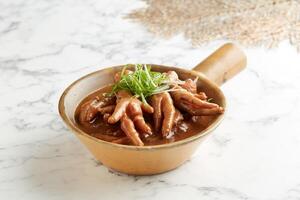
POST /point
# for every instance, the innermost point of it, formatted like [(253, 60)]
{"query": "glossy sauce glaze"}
[(98, 128)]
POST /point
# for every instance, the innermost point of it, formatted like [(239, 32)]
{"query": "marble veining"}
[(46, 45)]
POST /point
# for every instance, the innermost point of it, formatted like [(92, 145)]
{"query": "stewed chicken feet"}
[(165, 108), (186, 98), (194, 104), (165, 115), (129, 110), (93, 107)]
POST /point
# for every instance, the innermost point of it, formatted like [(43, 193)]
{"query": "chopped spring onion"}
[(142, 82)]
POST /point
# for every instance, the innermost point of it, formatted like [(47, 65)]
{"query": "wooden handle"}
[(223, 64)]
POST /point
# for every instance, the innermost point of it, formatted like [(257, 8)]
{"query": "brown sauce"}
[(99, 129)]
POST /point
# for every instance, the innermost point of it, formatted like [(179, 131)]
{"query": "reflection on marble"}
[(45, 45)]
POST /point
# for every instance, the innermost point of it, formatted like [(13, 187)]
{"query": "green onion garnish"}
[(142, 82)]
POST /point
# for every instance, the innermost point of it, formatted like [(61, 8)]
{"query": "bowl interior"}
[(84, 86)]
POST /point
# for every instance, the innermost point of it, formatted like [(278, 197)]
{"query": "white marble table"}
[(45, 45)]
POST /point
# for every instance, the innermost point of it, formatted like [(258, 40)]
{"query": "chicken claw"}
[(128, 127), (194, 104), (90, 109), (129, 110), (165, 115)]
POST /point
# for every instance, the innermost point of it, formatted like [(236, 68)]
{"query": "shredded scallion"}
[(142, 82)]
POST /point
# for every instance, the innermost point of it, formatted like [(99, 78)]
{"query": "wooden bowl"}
[(156, 159)]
